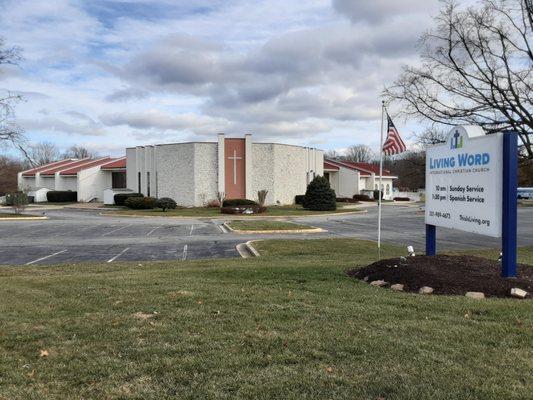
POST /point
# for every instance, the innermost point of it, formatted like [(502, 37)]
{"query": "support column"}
[(221, 164), (248, 172), (431, 240), (509, 216)]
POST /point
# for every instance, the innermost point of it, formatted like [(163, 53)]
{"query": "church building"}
[(193, 173)]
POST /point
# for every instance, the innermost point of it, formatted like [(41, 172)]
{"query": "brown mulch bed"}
[(447, 275)]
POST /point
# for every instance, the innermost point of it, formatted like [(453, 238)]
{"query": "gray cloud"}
[(129, 93), (376, 11)]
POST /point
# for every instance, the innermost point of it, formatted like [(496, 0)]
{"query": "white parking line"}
[(192, 227), (153, 230), (184, 257), (118, 255), (115, 230), (44, 258)]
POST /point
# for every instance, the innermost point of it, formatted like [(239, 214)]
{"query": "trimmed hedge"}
[(239, 202), (345, 200), (17, 199), (120, 198), (376, 194), (61, 196), (140, 203), (401, 198), (361, 197), (320, 196), (166, 203), (299, 199)]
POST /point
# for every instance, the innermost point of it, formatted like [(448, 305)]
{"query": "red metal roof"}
[(33, 171), (328, 165), (92, 163), (51, 172), (365, 169), (115, 164)]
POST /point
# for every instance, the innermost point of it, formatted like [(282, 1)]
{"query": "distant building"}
[(88, 177), (193, 173), (348, 178)]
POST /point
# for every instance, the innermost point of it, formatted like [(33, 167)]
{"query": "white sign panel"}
[(464, 182)]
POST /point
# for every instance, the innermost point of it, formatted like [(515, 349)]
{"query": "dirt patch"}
[(447, 275)]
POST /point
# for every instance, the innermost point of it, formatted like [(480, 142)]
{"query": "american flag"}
[(394, 143)]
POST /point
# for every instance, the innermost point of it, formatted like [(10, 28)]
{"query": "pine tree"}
[(320, 196)]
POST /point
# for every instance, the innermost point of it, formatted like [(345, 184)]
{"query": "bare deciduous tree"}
[(359, 153), (430, 136), (10, 132), (476, 69), (79, 152), (43, 153)]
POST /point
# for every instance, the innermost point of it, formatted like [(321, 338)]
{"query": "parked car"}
[(524, 193)]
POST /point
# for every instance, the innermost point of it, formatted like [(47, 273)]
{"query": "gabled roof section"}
[(33, 171), (52, 171), (365, 169), (115, 163), (330, 166), (90, 164)]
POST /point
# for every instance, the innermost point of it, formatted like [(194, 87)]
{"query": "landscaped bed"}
[(286, 325), (22, 216), (276, 211), (447, 274), (266, 225)]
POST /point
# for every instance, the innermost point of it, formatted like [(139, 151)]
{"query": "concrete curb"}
[(247, 250), (244, 232), (234, 218), (22, 218)]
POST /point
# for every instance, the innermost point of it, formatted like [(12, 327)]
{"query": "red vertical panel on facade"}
[(234, 156)]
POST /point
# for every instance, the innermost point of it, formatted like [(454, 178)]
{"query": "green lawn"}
[(215, 212), (266, 225), (288, 325)]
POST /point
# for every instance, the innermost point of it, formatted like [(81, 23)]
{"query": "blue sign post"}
[(509, 216), (478, 197)]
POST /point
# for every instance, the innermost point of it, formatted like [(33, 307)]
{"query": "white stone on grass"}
[(425, 290), (518, 293), (475, 295), (397, 286), (378, 283)]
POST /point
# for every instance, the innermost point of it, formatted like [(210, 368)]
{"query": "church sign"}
[(470, 185)]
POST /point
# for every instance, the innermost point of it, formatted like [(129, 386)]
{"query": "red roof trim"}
[(92, 163), (328, 165), (117, 163), (51, 172), (33, 171), (366, 169)]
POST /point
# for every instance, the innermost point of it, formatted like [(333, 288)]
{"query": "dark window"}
[(118, 180), (139, 182), (148, 184), (326, 175)]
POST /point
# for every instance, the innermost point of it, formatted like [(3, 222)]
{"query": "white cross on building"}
[(235, 158)]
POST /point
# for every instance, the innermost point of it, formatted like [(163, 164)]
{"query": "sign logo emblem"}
[(457, 141)]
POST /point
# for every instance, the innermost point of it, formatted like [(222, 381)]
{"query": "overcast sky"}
[(111, 74)]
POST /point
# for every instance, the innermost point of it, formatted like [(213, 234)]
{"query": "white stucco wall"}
[(66, 182), (263, 171), (205, 172), (175, 172), (348, 183), (26, 182), (92, 182), (131, 168)]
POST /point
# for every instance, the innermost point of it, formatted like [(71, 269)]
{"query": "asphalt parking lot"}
[(75, 236)]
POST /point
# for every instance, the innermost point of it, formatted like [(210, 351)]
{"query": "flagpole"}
[(380, 195)]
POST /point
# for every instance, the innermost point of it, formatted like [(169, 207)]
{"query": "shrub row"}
[(120, 198), (299, 199), (345, 200), (401, 198), (362, 197), (140, 203), (239, 202), (61, 196)]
